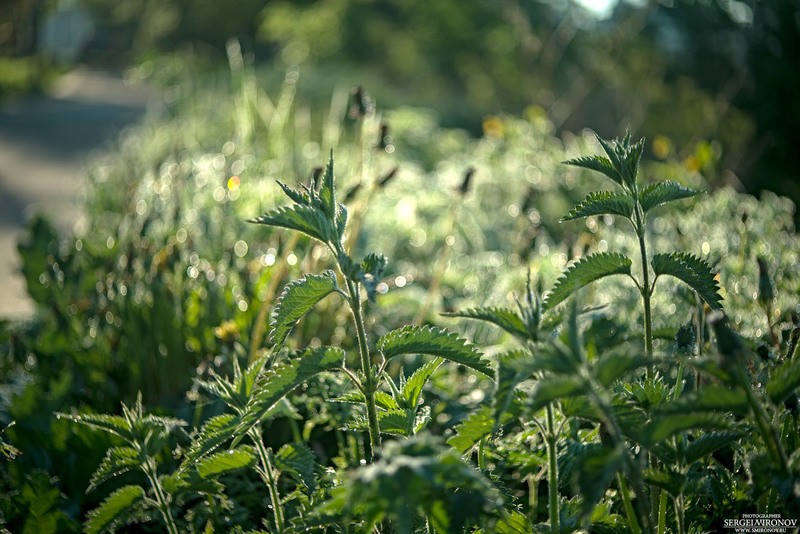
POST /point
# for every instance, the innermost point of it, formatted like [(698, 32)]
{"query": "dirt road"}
[(45, 142)]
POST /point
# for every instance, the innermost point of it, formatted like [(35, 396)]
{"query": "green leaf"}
[(327, 192), (471, 430), (708, 443), (212, 435), (597, 163), (305, 219), (693, 271), (434, 342), (711, 399), (298, 297), (371, 273), (513, 523), (113, 424), (113, 508), (300, 197), (412, 389), (613, 366), (784, 381), (297, 460), (283, 378), (505, 318), (667, 480), (118, 460), (602, 203), (554, 388), (593, 471), (663, 192), (397, 422), (664, 425), (585, 271), (512, 369), (226, 461)]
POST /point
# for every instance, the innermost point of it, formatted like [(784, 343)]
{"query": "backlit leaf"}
[(784, 381), (298, 297), (226, 461), (434, 342), (663, 192), (585, 271), (113, 508), (602, 203), (505, 318), (693, 271), (305, 219)]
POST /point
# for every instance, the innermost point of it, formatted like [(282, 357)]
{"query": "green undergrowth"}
[(424, 331)]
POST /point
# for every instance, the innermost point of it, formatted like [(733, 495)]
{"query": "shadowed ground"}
[(44, 143)]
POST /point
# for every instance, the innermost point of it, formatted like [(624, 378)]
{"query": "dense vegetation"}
[(337, 318)]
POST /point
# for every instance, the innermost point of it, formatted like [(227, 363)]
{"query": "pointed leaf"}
[(667, 480), (613, 366), (327, 193), (113, 508), (118, 460), (113, 424), (505, 318), (298, 297), (300, 197), (225, 462), (412, 389), (593, 471), (663, 192), (212, 435), (585, 271), (712, 398), (602, 203), (554, 388), (665, 425), (305, 219), (708, 443), (298, 460), (512, 369), (784, 381), (597, 163), (283, 378), (693, 271), (471, 430), (435, 342)]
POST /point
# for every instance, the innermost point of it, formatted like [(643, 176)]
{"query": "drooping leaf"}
[(585, 271), (693, 271), (505, 318), (664, 425), (554, 388), (663, 192), (298, 460), (613, 366), (601, 203), (434, 342), (666, 479), (298, 297), (305, 219), (784, 381), (471, 430), (708, 443), (113, 424), (118, 460), (593, 471), (597, 163), (113, 509), (226, 461), (412, 389), (713, 398), (283, 378)]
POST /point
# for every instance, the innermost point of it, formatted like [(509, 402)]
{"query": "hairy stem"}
[(161, 498), (552, 482), (270, 479), (366, 368), (662, 512), (626, 503), (646, 289)]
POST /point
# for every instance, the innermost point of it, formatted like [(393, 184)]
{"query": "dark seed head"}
[(466, 182)]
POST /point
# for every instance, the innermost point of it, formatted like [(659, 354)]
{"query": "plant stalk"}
[(647, 290), (270, 479), (366, 368), (626, 502), (552, 482), (776, 452), (161, 499)]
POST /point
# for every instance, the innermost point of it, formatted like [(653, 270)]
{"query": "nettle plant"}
[(581, 413)]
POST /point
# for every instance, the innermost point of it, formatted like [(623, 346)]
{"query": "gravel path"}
[(45, 141)]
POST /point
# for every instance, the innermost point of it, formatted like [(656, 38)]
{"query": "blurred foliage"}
[(709, 81)]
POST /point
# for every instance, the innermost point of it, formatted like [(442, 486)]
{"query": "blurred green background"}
[(707, 81)]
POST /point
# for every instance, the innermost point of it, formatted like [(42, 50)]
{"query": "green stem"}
[(270, 479), (646, 289), (679, 513), (552, 483), (161, 499), (776, 452), (626, 502), (366, 368), (662, 512)]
